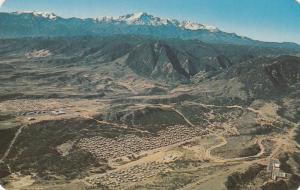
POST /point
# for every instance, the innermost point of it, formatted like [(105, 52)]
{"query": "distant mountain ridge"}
[(150, 20), (170, 60), (39, 24)]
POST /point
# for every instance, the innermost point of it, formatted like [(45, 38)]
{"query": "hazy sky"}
[(268, 20)]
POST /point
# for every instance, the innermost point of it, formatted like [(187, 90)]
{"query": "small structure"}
[(275, 163), (278, 174), (60, 112), (274, 168)]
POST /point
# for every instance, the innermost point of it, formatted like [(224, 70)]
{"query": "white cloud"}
[(298, 1), (2, 1)]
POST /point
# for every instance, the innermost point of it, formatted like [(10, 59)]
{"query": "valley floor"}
[(189, 155)]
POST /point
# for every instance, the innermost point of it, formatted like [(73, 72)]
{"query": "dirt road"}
[(19, 131)]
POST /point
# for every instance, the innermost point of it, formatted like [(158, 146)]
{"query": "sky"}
[(266, 20)]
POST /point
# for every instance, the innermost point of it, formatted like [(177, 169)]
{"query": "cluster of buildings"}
[(133, 174), (36, 113), (274, 169), (110, 148)]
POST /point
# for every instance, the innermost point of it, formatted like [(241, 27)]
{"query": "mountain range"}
[(142, 102), (39, 24)]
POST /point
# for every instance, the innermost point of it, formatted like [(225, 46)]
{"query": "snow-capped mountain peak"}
[(47, 15), (137, 19), (143, 19), (51, 16), (196, 26), (135, 16)]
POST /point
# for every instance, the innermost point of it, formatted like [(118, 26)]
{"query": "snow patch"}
[(47, 15), (142, 18), (196, 26)]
